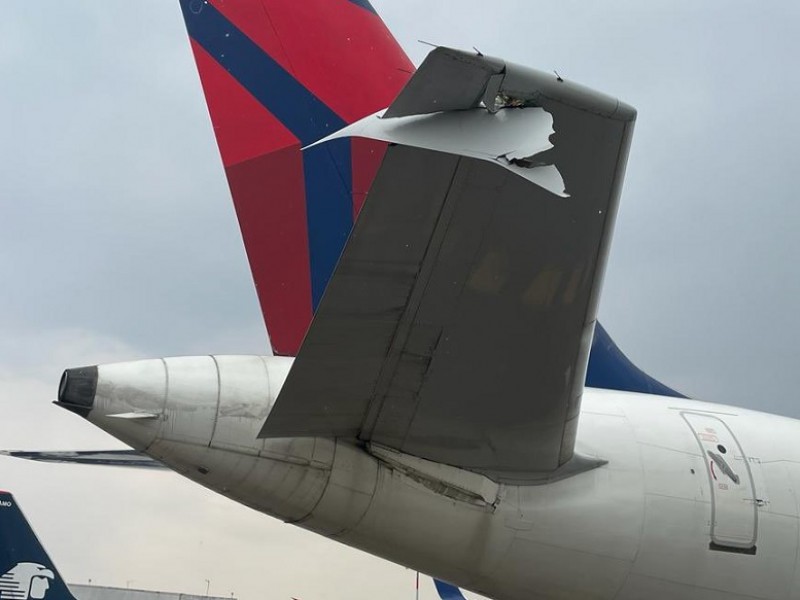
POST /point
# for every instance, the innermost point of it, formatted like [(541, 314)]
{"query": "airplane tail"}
[(279, 76), (26, 571), (447, 591)]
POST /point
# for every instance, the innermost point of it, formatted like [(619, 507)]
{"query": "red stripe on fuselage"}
[(349, 60), (243, 127)]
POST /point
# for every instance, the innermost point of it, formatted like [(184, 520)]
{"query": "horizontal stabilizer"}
[(110, 458)]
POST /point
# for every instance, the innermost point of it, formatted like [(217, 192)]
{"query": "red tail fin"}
[(277, 76)]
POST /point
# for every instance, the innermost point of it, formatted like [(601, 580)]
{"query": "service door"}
[(734, 513)]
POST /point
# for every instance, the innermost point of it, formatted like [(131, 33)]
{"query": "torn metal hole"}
[(503, 101), (526, 162)]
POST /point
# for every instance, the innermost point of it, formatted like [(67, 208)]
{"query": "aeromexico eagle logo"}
[(24, 581)]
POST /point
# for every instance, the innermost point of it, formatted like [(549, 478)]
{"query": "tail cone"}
[(77, 389)]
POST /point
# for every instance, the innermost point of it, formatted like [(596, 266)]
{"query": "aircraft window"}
[(721, 448)]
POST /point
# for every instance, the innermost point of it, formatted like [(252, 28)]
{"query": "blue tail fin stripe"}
[(305, 115), (329, 209), (448, 591), (610, 369), (364, 4)]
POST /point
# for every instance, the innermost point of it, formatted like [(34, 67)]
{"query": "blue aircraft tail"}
[(26, 571), (447, 591)]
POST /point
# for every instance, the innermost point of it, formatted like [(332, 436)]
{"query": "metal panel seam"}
[(404, 325), (380, 472), (219, 393), (310, 512)]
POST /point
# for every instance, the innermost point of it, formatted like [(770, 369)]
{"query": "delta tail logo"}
[(24, 581)]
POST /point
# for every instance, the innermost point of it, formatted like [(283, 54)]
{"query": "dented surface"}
[(471, 255), (508, 137)]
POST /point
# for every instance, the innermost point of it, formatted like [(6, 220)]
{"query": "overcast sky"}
[(118, 240)]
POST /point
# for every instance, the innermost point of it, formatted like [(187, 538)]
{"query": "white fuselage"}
[(639, 526)]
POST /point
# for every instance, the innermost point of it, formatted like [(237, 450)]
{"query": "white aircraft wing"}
[(458, 322)]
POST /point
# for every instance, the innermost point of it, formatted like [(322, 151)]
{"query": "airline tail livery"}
[(26, 571), (279, 76)]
